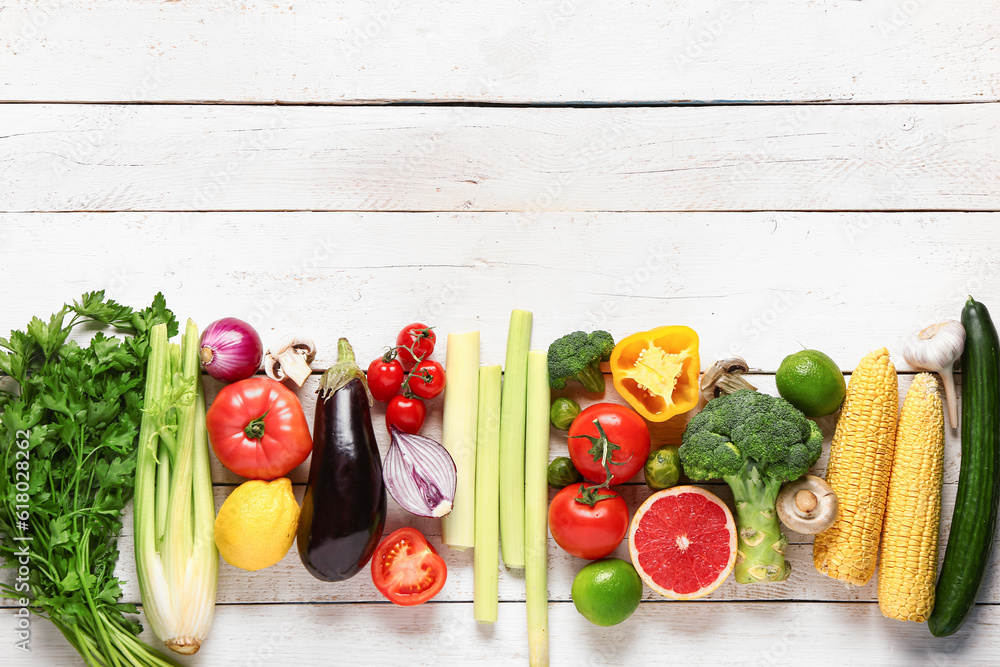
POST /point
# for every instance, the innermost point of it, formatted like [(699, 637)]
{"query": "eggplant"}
[(343, 512)]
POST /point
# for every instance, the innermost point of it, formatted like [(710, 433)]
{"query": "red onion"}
[(419, 474), (230, 350)]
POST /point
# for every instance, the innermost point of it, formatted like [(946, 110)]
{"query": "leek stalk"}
[(175, 552), (461, 402), (536, 501), (486, 560), (512, 439)]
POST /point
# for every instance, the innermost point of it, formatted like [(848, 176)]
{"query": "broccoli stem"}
[(761, 544), (591, 377)]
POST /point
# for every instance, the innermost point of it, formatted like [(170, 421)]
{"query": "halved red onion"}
[(230, 350), (419, 474)]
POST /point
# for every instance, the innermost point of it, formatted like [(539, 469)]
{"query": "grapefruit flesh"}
[(683, 542)]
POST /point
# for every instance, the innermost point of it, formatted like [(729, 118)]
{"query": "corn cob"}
[(860, 463), (908, 562)]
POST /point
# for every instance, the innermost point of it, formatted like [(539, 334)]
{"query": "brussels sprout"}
[(563, 412), (562, 473), (663, 468)]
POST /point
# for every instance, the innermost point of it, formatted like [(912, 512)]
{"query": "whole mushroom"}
[(808, 505), (288, 358)]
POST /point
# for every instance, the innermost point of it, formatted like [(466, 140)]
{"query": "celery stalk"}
[(176, 558), (461, 402), (536, 501), (150, 524), (512, 439), (486, 561)]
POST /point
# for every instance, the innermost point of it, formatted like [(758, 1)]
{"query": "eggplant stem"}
[(345, 353), (342, 372)]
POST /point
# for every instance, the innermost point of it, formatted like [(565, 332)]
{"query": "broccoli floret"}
[(577, 356), (754, 442)]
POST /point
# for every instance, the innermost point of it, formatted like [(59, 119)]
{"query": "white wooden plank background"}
[(562, 51), (758, 284), (195, 158), (764, 220)]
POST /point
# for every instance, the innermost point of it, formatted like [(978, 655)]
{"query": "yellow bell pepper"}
[(657, 371)]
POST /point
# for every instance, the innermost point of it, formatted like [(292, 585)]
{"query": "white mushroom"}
[(724, 377), (808, 505), (289, 357)]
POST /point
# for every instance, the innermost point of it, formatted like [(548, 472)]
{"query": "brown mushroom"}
[(725, 377), (289, 357), (808, 505)]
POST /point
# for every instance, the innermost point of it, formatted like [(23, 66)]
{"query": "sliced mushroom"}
[(808, 505), (725, 377), (289, 357)]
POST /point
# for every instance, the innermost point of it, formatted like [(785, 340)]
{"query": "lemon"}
[(256, 525), (812, 382), (607, 591)]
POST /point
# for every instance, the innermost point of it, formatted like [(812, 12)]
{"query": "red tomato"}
[(385, 378), (584, 531), (406, 568), (257, 428), (428, 379), (628, 442), (418, 338), (406, 413)]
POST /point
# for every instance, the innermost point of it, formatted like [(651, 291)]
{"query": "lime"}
[(812, 382), (256, 525), (607, 591)]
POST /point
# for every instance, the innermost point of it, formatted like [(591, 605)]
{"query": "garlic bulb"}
[(936, 349)]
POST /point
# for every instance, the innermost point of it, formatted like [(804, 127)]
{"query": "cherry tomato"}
[(627, 442), (257, 428), (407, 569), (584, 531), (385, 378), (417, 337), (406, 413), (428, 379)]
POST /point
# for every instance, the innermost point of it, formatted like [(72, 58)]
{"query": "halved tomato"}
[(407, 569)]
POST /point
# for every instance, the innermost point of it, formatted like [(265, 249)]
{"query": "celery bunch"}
[(175, 551)]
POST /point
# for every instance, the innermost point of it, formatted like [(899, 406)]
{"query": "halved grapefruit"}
[(683, 542)]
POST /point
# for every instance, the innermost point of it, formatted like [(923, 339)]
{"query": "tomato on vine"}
[(427, 379), (385, 377), (414, 344), (406, 413)]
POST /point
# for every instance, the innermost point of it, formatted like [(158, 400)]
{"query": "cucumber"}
[(974, 520)]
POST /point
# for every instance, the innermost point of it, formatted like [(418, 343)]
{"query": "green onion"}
[(461, 402), (536, 501), (512, 439), (486, 561), (175, 552)]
